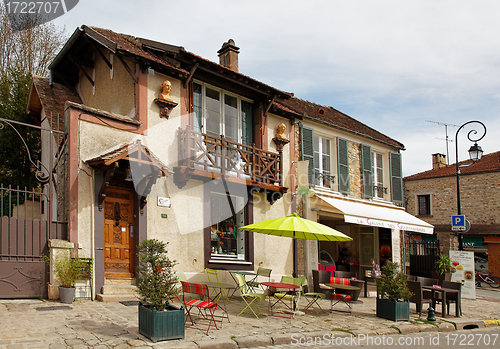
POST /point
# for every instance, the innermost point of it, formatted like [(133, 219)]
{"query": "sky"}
[(411, 69)]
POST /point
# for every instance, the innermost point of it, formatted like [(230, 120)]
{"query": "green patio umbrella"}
[(295, 227)]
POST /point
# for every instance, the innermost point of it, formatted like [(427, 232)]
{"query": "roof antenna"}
[(447, 140)]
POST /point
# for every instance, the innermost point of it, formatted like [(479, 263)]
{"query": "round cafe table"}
[(279, 300)]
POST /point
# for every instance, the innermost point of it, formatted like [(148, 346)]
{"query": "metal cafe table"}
[(443, 291), (218, 287), (343, 287), (280, 285)]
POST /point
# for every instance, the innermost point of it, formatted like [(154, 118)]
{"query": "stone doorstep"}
[(119, 289), (115, 297)]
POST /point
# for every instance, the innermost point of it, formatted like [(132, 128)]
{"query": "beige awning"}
[(375, 215)]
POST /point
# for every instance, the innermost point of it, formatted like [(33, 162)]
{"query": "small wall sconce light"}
[(128, 175)]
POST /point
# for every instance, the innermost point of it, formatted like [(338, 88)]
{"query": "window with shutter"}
[(396, 178), (366, 164), (343, 165), (308, 152)]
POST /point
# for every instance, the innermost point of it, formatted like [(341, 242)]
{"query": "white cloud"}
[(391, 64)]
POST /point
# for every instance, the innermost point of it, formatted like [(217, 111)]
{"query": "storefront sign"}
[(463, 271)]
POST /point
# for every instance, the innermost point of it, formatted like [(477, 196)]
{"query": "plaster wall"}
[(114, 89)]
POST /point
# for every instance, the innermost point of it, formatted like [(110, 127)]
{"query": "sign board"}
[(164, 202), (458, 223), (463, 271)]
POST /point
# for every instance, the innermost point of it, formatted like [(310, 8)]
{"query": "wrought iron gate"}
[(23, 242)]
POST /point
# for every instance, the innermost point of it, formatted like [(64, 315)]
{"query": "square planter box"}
[(392, 310), (161, 325)]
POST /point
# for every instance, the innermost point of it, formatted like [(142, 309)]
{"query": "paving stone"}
[(175, 345), (386, 331), (136, 343), (217, 344), (446, 327), (253, 341)]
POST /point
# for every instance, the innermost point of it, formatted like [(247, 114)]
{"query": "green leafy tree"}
[(392, 283), (156, 280)]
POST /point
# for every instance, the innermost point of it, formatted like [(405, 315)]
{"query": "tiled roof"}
[(488, 163), (52, 98), (133, 45), (337, 119)]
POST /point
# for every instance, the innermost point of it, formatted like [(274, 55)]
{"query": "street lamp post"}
[(475, 153)]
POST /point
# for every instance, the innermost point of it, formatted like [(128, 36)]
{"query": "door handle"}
[(131, 230)]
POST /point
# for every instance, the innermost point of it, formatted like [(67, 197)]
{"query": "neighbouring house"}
[(432, 196), (355, 186)]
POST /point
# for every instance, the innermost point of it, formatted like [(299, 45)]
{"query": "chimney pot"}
[(438, 160), (228, 55)]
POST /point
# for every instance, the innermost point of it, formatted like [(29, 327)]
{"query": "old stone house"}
[(355, 186), (432, 196)]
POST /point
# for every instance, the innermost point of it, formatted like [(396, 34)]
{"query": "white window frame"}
[(377, 182), (318, 167), (222, 94)]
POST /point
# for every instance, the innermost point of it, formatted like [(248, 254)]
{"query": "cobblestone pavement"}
[(93, 324)]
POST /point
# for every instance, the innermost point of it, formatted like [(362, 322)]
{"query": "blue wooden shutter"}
[(396, 178), (366, 165), (343, 165), (308, 152)]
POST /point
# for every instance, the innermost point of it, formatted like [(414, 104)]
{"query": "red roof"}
[(488, 163), (339, 120)]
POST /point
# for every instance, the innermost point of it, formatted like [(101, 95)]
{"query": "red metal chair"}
[(205, 306)]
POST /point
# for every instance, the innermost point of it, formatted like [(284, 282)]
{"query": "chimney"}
[(228, 55), (438, 160)]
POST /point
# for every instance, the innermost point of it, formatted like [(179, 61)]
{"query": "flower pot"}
[(393, 310), (161, 325), (66, 294)]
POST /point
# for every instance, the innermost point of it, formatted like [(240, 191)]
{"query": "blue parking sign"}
[(458, 222)]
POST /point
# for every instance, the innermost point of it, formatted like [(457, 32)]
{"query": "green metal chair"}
[(293, 297), (312, 297), (264, 272), (249, 297)]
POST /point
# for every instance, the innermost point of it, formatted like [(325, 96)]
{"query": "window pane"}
[(213, 112), (247, 123), (231, 118), (227, 241), (197, 107)]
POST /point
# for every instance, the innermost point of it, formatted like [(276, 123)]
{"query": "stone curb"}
[(253, 341)]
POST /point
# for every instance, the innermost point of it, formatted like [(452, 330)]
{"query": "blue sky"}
[(391, 64)]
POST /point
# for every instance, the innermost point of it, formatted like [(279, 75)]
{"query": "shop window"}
[(424, 205), (227, 241)]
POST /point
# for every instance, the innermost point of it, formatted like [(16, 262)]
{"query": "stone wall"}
[(479, 198), (355, 182)]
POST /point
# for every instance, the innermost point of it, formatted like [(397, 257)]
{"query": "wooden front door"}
[(118, 233)]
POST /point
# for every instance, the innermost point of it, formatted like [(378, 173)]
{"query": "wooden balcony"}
[(207, 157)]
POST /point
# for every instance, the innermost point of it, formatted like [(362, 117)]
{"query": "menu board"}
[(463, 271)]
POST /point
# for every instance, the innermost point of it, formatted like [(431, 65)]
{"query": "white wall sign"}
[(164, 202), (463, 271)]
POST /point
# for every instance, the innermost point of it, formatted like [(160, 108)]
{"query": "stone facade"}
[(355, 181), (479, 193)]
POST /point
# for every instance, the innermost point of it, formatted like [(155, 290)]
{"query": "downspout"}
[(92, 230)]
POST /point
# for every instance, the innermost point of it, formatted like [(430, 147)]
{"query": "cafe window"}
[(227, 241), (424, 205)]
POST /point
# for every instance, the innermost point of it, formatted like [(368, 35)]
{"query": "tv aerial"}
[(446, 139)]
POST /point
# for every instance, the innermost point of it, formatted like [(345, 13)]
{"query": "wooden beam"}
[(128, 69), (191, 73), (82, 61), (104, 58), (107, 177), (270, 105), (85, 73)]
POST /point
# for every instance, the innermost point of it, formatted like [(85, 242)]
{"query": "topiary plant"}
[(156, 281), (391, 284)]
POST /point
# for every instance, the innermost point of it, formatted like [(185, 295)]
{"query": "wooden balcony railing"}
[(201, 154)]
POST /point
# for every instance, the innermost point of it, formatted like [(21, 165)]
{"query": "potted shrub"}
[(156, 285), (68, 270), (393, 293), (442, 267)]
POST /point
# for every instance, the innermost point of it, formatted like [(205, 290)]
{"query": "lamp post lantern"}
[(475, 154)]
